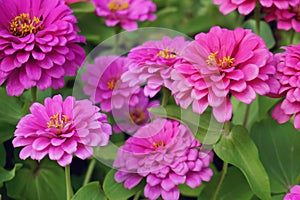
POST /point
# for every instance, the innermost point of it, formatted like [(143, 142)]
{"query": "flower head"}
[(280, 4), (60, 129), (125, 12), (130, 117), (287, 19), (244, 6), (294, 193), (152, 63), (104, 84), (166, 154), (220, 63), (288, 73), (38, 44)]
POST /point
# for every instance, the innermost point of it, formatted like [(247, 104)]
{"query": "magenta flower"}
[(220, 63), (125, 12), (152, 63), (104, 84), (281, 4), (287, 19), (166, 154), (130, 117), (38, 44), (288, 73), (60, 129), (244, 6), (294, 193)]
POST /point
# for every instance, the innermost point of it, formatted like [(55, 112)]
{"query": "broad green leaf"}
[(10, 108), (190, 192), (265, 31), (2, 155), (6, 131), (91, 191), (7, 175), (82, 7), (39, 182), (238, 149), (234, 187), (116, 191), (278, 197), (279, 152), (205, 128)]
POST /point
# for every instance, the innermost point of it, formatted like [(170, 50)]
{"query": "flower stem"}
[(89, 172), (257, 17), (165, 97), (33, 94), (137, 195), (220, 180), (68, 183), (292, 37), (246, 115)]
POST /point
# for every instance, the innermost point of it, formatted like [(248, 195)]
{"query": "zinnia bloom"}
[(220, 63), (125, 12), (288, 73), (294, 193), (166, 154), (281, 4), (38, 44), (130, 117), (60, 129), (104, 84), (152, 63), (287, 19)]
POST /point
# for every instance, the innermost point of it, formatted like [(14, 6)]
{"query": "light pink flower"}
[(281, 4), (38, 44), (287, 19), (60, 129), (104, 84), (125, 12), (288, 73), (166, 154), (294, 193), (152, 63), (244, 6), (220, 63)]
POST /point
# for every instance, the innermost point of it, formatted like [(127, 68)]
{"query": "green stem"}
[(246, 115), (257, 17), (89, 172), (117, 40), (68, 183), (165, 97), (33, 94), (220, 181), (292, 37), (137, 195), (227, 128)]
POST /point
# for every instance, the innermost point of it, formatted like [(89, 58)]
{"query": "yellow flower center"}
[(166, 53), (138, 116), (111, 84), (59, 122), (224, 63), (158, 144), (115, 5), (22, 25)]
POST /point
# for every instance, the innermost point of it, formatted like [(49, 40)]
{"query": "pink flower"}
[(38, 44), (286, 18), (60, 129), (125, 12), (281, 4), (152, 63), (104, 84), (244, 7), (166, 154), (74, 1), (220, 63), (130, 117), (294, 193), (288, 73)]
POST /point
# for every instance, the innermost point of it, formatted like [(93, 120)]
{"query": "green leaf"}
[(265, 31), (91, 191), (42, 181), (279, 152), (82, 7), (6, 131), (10, 108), (116, 191), (190, 192), (237, 148), (205, 128), (7, 175), (2, 155)]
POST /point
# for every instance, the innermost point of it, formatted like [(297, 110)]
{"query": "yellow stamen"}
[(138, 116), (22, 25), (59, 122), (115, 5), (111, 84), (158, 144), (167, 54), (224, 63)]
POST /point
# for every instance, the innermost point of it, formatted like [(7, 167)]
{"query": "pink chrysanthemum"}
[(60, 129), (287, 19), (130, 117), (166, 153), (281, 4), (220, 63), (104, 84), (294, 193), (152, 63), (288, 73), (125, 12), (37, 44)]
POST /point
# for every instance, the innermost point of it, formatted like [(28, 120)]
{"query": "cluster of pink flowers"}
[(166, 154)]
